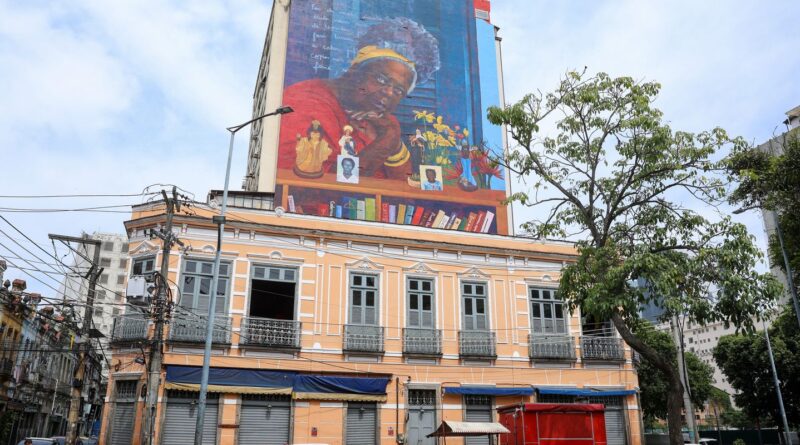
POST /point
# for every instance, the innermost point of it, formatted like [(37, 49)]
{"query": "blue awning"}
[(585, 392), (342, 385), (489, 390), (231, 377)]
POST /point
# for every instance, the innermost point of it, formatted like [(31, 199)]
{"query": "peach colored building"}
[(350, 332)]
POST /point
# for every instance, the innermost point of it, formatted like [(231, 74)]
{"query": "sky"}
[(107, 96)]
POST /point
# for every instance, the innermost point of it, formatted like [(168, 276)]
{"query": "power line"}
[(87, 195)]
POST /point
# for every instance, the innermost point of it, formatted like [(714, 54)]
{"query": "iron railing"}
[(129, 328), (602, 348), (191, 328), (551, 347), (422, 341), (257, 331), (477, 344), (360, 338)]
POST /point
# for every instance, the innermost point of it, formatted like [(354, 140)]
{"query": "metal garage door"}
[(616, 433), (362, 424), (421, 416), (478, 409), (264, 420), (180, 418), (124, 412)]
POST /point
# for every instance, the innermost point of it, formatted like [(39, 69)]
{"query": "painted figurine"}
[(312, 150)]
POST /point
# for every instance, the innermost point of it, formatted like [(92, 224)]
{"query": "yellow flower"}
[(441, 128), (466, 132), (441, 141), (424, 115), (439, 119), (442, 160), (430, 136)]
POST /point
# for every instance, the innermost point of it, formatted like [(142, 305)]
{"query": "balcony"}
[(602, 349), (367, 339), (477, 344), (47, 383), (270, 333), (551, 347), (188, 327), (129, 328), (421, 341)]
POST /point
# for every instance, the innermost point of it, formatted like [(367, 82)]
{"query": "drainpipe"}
[(397, 409)]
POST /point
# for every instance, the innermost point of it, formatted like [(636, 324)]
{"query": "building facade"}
[(339, 331)]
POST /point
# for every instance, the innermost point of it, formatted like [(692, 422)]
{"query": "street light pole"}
[(788, 267), (220, 221), (777, 382)]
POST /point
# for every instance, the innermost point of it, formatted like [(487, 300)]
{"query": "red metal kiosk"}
[(553, 424)]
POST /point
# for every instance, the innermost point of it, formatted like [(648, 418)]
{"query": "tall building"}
[(110, 292), (370, 285)]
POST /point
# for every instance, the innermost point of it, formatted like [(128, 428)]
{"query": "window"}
[(108, 246), (272, 292), (124, 247), (98, 312), (103, 279), (123, 263), (105, 262), (120, 279), (420, 303), (99, 295), (196, 285), (144, 266), (547, 312), (475, 306), (363, 299)]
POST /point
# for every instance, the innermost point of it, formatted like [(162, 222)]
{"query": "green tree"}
[(654, 386), (616, 174), (770, 180), (744, 361)]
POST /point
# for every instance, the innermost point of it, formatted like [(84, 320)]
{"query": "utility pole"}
[(159, 314), (687, 401), (85, 343), (786, 431)]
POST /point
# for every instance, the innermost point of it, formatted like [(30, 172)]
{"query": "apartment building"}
[(338, 331)]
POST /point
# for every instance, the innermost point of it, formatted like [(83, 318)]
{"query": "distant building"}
[(110, 292)]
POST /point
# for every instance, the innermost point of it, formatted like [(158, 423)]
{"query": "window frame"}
[(352, 288), (143, 259), (199, 276), (420, 304), (464, 296), (554, 304)]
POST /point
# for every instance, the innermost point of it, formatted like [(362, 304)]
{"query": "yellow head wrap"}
[(373, 52)]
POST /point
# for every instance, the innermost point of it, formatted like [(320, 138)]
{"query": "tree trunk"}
[(665, 365)]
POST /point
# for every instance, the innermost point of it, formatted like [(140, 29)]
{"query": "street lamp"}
[(220, 221)]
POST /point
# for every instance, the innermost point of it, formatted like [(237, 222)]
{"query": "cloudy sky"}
[(106, 96)]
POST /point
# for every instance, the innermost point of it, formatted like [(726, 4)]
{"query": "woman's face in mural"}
[(379, 86)]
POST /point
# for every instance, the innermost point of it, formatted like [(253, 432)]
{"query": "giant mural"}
[(389, 100)]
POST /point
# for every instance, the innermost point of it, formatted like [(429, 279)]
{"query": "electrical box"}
[(137, 291)]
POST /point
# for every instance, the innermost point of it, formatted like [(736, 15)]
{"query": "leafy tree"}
[(615, 173), (655, 387), (744, 361)]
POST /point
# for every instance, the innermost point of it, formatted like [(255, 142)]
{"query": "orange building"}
[(332, 329)]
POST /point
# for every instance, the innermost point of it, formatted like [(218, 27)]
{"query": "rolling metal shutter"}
[(264, 420), (616, 433), (362, 424), (478, 409), (180, 418), (122, 423)]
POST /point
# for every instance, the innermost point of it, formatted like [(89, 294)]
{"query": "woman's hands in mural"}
[(386, 143)]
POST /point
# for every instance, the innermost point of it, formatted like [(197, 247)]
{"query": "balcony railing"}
[(358, 338), (6, 367), (551, 347), (480, 344), (48, 383), (602, 348), (421, 341), (191, 328), (129, 328), (267, 332)]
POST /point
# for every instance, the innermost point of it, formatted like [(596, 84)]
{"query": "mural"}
[(389, 98)]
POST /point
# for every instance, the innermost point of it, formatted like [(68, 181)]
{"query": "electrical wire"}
[(87, 195)]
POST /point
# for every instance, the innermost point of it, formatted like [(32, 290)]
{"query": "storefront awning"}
[(451, 428), (585, 392), (320, 387), (233, 377), (489, 390)]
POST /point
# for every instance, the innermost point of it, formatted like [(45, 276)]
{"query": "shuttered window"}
[(547, 312), (124, 412), (420, 303), (180, 418), (475, 306), (196, 286), (264, 420), (362, 424), (363, 299)]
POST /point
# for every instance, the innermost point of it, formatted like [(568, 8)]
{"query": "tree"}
[(744, 361), (654, 386), (616, 174)]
